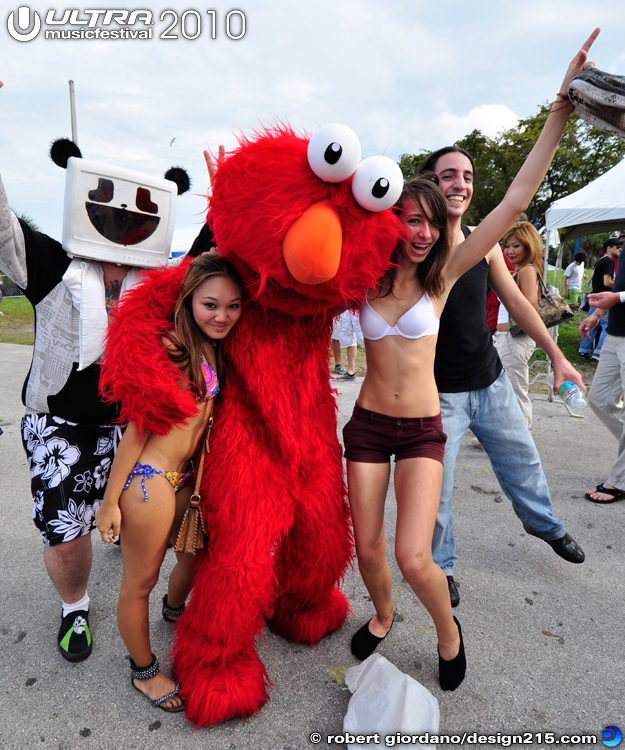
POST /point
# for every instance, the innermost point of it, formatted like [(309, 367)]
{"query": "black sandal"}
[(171, 614), (147, 673)]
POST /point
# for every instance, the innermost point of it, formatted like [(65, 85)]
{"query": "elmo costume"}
[(289, 215)]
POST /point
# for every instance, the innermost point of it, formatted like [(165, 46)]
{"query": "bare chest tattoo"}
[(112, 291)]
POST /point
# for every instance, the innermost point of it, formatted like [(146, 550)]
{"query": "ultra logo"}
[(27, 28)]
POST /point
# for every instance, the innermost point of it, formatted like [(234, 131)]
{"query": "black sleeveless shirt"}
[(466, 358)]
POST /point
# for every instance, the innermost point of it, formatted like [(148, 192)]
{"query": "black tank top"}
[(466, 358)]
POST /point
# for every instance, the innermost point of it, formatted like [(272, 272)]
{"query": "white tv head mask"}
[(119, 215)]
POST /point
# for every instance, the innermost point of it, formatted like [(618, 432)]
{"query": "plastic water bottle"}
[(572, 395)]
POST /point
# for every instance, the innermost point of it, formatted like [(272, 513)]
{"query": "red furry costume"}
[(274, 494)]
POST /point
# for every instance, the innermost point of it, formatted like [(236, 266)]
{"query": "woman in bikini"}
[(398, 410), (523, 247), (148, 490)]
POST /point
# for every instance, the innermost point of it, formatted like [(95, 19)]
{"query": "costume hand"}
[(212, 164), (563, 370), (108, 521), (579, 62), (587, 325), (604, 300)]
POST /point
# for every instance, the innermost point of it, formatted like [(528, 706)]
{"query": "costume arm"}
[(565, 287), (526, 316), (108, 517), (525, 184)]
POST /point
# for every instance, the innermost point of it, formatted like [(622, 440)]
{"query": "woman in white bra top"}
[(398, 410)]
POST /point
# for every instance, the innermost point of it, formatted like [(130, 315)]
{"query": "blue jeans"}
[(585, 346), (494, 416)]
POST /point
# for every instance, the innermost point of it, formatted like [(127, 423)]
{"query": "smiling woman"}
[(398, 409), (151, 510)]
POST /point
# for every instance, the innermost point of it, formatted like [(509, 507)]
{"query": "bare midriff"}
[(172, 452), (400, 377)]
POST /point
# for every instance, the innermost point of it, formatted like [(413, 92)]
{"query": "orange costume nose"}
[(312, 245)]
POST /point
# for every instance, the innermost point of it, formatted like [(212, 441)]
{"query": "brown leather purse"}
[(552, 308), (193, 527)]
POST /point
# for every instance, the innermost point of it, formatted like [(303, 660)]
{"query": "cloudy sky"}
[(404, 75)]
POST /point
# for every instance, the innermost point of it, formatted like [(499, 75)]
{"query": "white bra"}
[(417, 322)]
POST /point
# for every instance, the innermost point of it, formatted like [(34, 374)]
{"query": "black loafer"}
[(451, 673), (568, 549), (454, 594), (364, 643)]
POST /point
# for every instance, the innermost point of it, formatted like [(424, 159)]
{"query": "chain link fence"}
[(9, 289)]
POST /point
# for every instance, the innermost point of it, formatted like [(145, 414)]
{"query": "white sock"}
[(75, 606)]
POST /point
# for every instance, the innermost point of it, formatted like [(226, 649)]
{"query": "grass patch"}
[(17, 323)]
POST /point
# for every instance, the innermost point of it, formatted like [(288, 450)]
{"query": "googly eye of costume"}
[(377, 183), (334, 155)]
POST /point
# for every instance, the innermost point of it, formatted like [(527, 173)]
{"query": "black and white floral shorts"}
[(69, 468)]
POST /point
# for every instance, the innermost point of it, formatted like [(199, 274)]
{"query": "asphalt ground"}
[(544, 638)]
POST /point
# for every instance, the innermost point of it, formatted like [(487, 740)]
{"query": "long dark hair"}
[(429, 163), (424, 191), (188, 339)]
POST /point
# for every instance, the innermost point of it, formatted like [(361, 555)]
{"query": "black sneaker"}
[(346, 376), (74, 639), (339, 369)]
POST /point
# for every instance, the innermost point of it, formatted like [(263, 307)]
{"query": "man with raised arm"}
[(474, 390)]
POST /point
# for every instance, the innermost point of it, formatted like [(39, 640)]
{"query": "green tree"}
[(28, 221)]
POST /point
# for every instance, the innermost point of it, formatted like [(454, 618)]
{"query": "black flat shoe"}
[(364, 643), (452, 672)]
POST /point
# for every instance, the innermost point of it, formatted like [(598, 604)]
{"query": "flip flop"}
[(616, 495)]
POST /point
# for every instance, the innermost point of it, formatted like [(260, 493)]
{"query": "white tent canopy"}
[(598, 207)]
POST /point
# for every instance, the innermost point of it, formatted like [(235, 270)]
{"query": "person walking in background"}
[(346, 334), (608, 385), (602, 280), (574, 277)]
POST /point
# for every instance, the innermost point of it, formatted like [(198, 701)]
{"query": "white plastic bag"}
[(386, 701)]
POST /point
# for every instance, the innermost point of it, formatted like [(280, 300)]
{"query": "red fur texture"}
[(136, 370), (274, 496)]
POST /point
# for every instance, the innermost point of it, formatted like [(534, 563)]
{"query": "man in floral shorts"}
[(68, 431)]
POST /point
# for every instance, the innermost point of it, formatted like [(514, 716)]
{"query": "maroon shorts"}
[(372, 438)]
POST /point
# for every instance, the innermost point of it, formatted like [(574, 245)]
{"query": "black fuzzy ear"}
[(180, 177), (61, 150)]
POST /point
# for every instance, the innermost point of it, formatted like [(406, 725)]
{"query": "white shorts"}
[(347, 330)]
